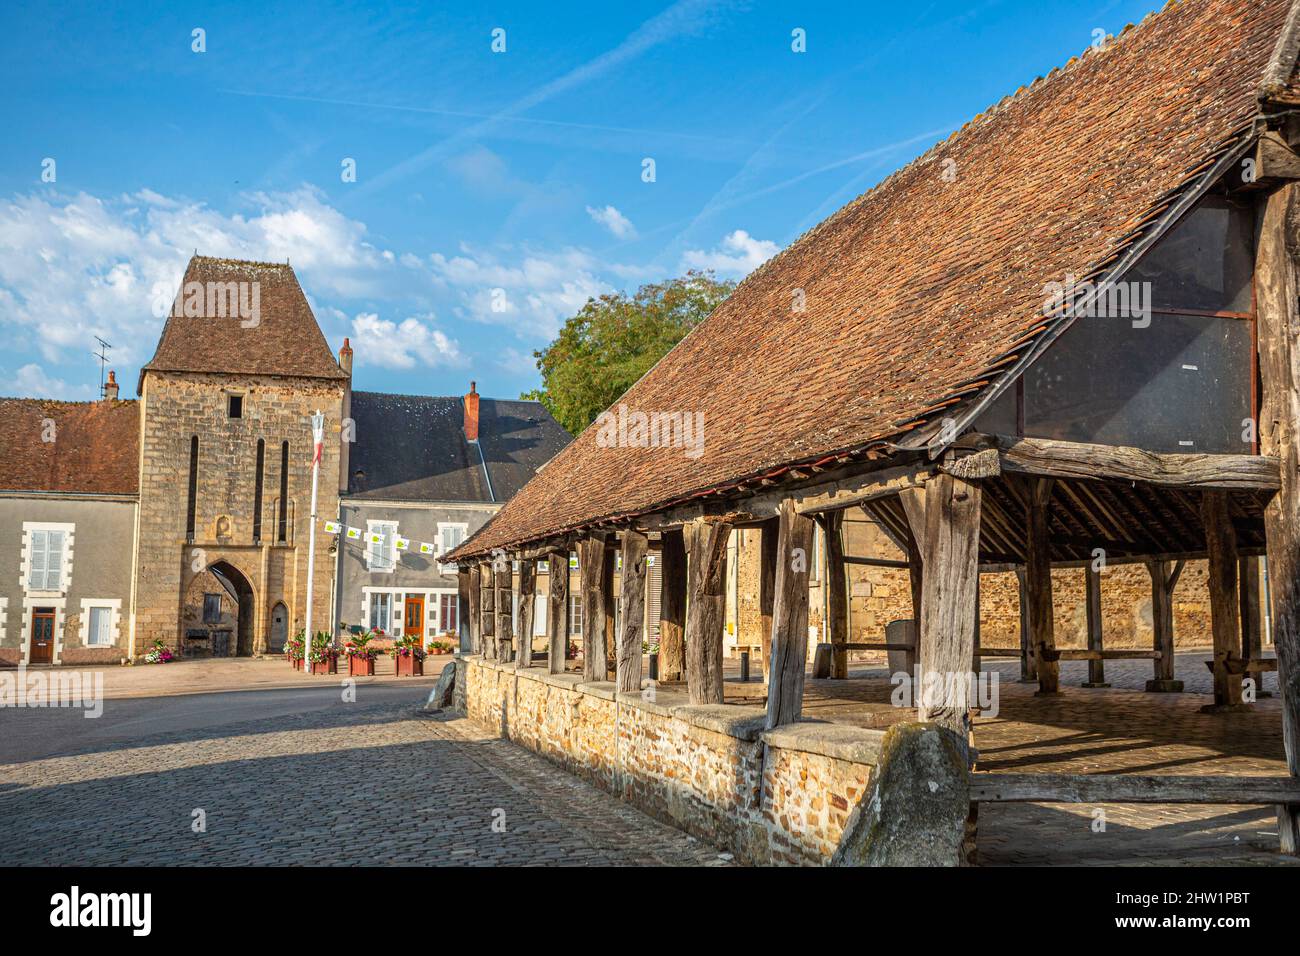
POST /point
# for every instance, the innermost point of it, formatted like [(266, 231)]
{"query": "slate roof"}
[(413, 447), (922, 292), (96, 446), (285, 339)]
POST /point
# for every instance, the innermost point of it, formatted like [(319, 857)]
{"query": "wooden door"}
[(414, 624), (42, 636)]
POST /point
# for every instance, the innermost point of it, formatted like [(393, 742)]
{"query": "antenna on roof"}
[(102, 355)]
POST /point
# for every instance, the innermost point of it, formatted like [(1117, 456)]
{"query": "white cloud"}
[(31, 381), (738, 254), (614, 221), (402, 345)]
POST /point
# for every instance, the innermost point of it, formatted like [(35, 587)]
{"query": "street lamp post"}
[(318, 437)]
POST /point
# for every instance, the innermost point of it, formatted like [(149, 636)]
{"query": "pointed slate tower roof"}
[(210, 334)]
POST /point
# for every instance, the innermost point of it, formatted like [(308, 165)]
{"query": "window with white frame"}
[(381, 611), (381, 545), (99, 627), (45, 559), (448, 614), (450, 536), (575, 614)]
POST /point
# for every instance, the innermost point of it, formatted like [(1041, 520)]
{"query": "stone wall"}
[(777, 797), (176, 406)]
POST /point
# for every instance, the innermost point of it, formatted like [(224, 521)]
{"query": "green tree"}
[(614, 340)]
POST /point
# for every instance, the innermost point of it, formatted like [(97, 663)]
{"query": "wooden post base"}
[(1049, 693), (1227, 708), (1164, 687), (1288, 828), (1092, 684)]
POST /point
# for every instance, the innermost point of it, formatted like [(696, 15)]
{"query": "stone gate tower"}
[(225, 464)]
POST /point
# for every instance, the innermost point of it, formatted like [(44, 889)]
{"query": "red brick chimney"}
[(345, 358), (471, 414), (110, 387)]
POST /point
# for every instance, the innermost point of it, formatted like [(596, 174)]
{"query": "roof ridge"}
[(227, 260)]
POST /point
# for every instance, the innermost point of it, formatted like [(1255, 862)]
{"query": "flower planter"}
[(330, 666), (408, 665), (360, 666)]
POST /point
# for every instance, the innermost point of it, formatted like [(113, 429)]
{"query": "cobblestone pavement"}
[(385, 784)]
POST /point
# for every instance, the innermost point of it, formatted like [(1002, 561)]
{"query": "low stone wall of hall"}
[(777, 797)]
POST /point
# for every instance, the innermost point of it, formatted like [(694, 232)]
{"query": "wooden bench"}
[(1084, 654), (987, 787)]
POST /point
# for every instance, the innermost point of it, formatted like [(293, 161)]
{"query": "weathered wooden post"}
[(628, 670), (1252, 625), (464, 612), (557, 615), (487, 611), (1038, 587), (611, 609), (591, 575), (837, 597), (1278, 329), (706, 543), (527, 595), (1028, 672), (505, 607), (1092, 589), (789, 654), (950, 549), (1164, 578), (672, 606), (768, 535), (475, 596), (1221, 554)]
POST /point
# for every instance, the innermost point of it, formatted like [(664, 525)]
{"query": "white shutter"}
[(539, 615), (38, 544), (97, 631), (54, 560)]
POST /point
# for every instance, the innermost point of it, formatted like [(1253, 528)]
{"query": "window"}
[(99, 628), (211, 608), (282, 531), (450, 536), (381, 611), (194, 488), (575, 614), (448, 614), (46, 560), (234, 406), (381, 553), (257, 491)]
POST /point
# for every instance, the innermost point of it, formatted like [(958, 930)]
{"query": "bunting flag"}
[(354, 533), (426, 548), (402, 543), (375, 538), (333, 527)]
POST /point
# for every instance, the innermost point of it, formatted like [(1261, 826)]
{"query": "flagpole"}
[(318, 439)]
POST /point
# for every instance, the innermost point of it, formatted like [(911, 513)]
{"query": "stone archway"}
[(240, 593)]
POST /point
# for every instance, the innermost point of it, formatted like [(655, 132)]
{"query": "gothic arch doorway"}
[(241, 593), (279, 628)]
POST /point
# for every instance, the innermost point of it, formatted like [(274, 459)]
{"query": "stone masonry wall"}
[(176, 406), (780, 797)]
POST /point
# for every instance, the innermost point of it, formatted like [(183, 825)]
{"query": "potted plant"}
[(293, 648), (361, 656), (440, 647), (324, 655), (408, 655), (160, 653)]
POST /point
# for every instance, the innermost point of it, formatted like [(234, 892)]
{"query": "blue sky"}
[(519, 171)]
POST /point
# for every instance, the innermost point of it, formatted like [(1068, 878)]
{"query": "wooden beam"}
[(672, 606), (913, 502), (487, 611), (948, 607), (1079, 460), (1221, 543), (1277, 288), (475, 596), (609, 600), (628, 668), (1130, 788), (557, 612), (1252, 630), (789, 617), (1028, 672), (527, 599), (1164, 578), (505, 608), (1038, 586), (859, 489), (1092, 589), (768, 540), (464, 609), (591, 574), (706, 543), (1275, 159), (837, 593)]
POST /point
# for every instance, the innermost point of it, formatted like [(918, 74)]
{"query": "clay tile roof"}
[(95, 446), (924, 285), (283, 339)]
